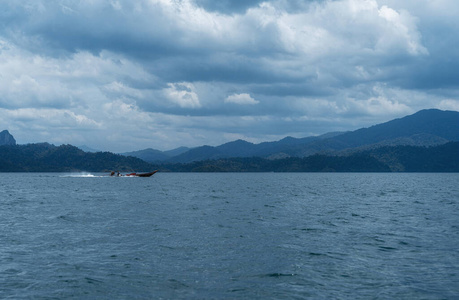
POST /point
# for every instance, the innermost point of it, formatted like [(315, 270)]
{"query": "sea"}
[(229, 236)]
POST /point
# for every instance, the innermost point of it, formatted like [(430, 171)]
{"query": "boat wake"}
[(89, 175), (81, 175)]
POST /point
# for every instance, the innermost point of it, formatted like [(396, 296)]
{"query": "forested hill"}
[(66, 158), (443, 158), (45, 157)]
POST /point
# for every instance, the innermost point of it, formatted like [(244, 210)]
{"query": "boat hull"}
[(134, 174), (146, 174)]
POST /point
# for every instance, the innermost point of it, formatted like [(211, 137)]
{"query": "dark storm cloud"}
[(51, 28)]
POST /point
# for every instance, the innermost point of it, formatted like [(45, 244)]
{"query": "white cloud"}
[(50, 118), (243, 99), (401, 31), (182, 94), (379, 106), (381, 101), (449, 104)]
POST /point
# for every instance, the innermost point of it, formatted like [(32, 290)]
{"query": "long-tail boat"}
[(134, 174)]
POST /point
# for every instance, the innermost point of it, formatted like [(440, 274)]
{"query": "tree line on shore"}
[(45, 157)]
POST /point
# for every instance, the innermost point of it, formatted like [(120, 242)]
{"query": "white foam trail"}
[(81, 175)]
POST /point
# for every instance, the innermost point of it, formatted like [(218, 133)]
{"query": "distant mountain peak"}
[(6, 138), (237, 142), (288, 138), (424, 128)]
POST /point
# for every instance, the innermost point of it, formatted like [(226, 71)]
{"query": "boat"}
[(142, 174), (134, 174)]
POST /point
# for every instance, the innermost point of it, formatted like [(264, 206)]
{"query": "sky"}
[(125, 75)]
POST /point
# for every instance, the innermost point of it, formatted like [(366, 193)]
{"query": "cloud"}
[(243, 99), (182, 94), (449, 104), (403, 32)]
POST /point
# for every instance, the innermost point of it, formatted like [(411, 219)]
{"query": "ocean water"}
[(229, 236)]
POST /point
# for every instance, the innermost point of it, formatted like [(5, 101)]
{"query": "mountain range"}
[(441, 158), (427, 141), (425, 128)]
